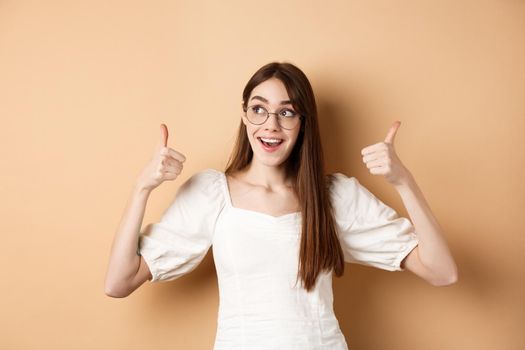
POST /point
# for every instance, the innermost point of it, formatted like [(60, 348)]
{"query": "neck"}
[(267, 176)]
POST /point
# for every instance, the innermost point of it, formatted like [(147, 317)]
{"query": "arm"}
[(431, 259), (127, 270)]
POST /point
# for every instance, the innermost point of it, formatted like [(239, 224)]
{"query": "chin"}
[(269, 161)]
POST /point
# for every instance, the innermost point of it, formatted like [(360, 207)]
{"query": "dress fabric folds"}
[(261, 302)]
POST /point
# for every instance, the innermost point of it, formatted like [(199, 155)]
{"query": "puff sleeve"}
[(179, 242), (371, 233)]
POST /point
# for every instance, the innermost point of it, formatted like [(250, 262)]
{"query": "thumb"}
[(163, 142), (392, 132)]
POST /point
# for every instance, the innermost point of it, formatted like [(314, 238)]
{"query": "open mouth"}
[(270, 144)]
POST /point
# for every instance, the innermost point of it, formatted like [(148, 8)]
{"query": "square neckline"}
[(226, 191)]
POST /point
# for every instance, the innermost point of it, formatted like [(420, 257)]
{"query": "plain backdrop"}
[(84, 86)]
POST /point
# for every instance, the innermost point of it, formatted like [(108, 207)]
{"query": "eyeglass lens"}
[(285, 117)]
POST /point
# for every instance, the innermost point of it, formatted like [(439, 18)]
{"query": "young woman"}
[(278, 225)]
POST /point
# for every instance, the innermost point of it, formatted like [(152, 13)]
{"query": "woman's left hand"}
[(381, 159)]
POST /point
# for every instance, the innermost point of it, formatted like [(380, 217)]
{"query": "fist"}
[(381, 158), (166, 164)]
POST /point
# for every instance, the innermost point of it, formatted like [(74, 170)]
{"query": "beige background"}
[(85, 85)]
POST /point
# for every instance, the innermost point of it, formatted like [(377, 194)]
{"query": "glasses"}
[(287, 118)]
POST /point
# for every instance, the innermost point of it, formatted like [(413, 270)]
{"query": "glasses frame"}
[(268, 116)]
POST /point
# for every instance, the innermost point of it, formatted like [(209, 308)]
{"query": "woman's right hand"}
[(166, 164)]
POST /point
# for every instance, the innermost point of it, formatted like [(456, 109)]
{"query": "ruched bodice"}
[(261, 304)]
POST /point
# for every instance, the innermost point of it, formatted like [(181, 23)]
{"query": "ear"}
[(243, 112)]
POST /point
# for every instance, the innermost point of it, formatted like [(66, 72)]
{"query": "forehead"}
[(272, 90)]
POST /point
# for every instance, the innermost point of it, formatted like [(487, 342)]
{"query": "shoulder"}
[(341, 185), (204, 176), (348, 194), (205, 183)]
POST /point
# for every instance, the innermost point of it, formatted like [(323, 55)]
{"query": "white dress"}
[(256, 259)]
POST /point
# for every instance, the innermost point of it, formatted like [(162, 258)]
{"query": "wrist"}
[(405, 181), (140, 190)]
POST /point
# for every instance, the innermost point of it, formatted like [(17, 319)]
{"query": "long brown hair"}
[(320, 248)]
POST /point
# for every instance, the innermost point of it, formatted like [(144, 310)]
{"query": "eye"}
[(258, 109), (287, 113)]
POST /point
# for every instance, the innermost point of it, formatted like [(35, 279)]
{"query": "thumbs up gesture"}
[(166, 164), (381, 158)]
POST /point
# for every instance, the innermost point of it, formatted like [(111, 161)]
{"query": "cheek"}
[(294, 137), (249, 135)]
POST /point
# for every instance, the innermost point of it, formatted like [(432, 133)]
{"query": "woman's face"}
[(271, 94)]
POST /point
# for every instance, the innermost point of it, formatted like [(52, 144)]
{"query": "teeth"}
[(271, 140)]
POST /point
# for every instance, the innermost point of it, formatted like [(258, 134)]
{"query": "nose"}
[(272, 123)]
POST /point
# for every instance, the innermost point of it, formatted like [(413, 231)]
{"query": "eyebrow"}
[(286, 102)]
